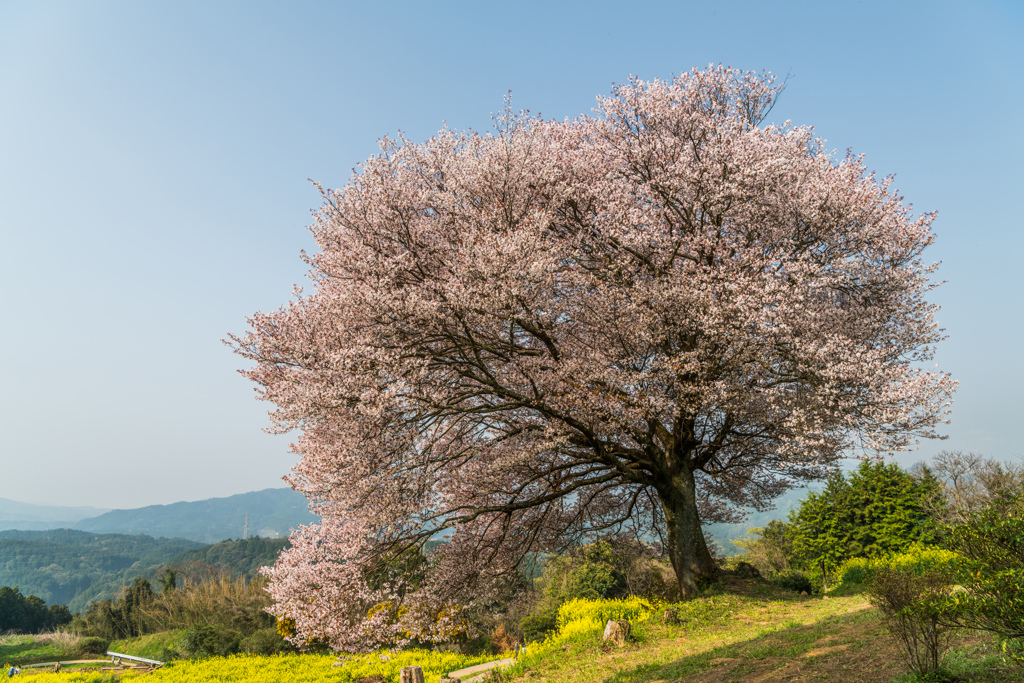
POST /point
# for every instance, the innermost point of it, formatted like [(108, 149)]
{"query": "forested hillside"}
[(107, 552), (66, 566), (271, 512), (236, 558)]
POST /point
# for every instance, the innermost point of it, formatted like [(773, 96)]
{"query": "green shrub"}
[(263, 642), (210, 641), (910, 596), (591, 572), (595, 580), (93, 645), (537, 625), (169, 654), (991, 571), (793, 580), (481, 645), (768, 548), (597, 571), (856, 570)]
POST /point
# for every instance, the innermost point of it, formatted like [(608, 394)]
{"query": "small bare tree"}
[(768, 548), (970, 482)]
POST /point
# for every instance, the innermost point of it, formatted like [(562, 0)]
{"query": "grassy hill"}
[(272, 513), (745, 631), (66, 566)]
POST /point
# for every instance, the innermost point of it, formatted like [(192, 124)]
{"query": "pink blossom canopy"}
[(636, 320)]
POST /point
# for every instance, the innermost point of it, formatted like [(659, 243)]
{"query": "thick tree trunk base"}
[(687, 547), (692, 571)]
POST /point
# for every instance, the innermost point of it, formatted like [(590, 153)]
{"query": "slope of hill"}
[(28, 516), (272, 513), (72, 567)]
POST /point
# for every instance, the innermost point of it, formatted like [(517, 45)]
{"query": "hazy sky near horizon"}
[(154, 160)]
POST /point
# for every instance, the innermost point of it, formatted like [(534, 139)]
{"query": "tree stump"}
[(411, 674), (616, 632)]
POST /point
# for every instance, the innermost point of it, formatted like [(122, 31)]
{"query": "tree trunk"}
[(687, 548), (411, 674)]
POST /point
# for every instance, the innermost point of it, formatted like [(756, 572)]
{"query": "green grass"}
[(719, 616), (49, 647), (34, 649), (150, 646), (978, 662), (23, 650), (749, 631), (785, 643)]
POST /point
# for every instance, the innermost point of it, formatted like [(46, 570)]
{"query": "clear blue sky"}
[(153, 188)]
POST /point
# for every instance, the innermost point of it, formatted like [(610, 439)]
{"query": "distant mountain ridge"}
[(31, 517), (272, 514), (104, 552)]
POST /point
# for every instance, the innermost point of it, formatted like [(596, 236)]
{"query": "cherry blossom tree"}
[(638, 320)]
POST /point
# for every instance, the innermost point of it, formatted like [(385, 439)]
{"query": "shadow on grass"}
[(834, 647)]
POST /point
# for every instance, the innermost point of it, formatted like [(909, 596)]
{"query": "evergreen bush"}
[(593, 572)]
